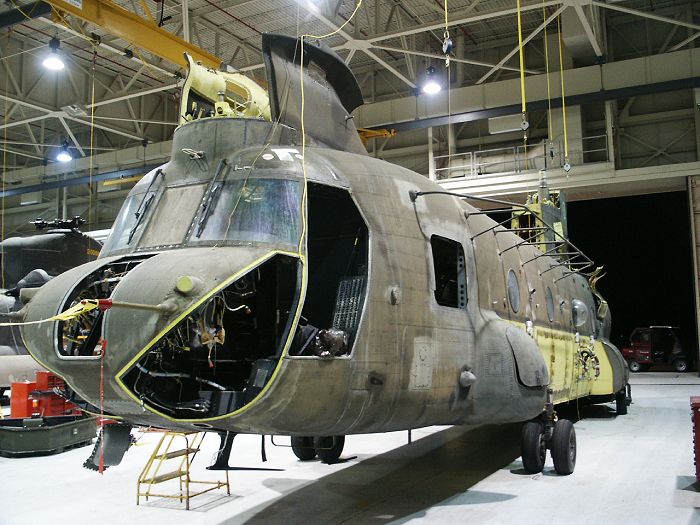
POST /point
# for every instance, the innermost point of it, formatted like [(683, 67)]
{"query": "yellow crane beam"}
[(367, 134), (138, 31)]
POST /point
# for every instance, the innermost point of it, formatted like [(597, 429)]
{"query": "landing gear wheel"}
[(680, 365), (621, 402), (303, 448), (634, 366), (563, 447), (533, 446), (329, 448)]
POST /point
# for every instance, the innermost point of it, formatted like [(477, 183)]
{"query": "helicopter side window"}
[(579, 313), (450, 278), (513, 291), (550, 303)]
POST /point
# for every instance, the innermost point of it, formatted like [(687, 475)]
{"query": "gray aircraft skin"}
[(440, 322)]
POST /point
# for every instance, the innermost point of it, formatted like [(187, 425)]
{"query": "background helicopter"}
[(272, 278), (28, 263)]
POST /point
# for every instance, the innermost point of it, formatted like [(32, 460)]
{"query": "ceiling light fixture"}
[(431, 86), (53, 61), (64, 155)]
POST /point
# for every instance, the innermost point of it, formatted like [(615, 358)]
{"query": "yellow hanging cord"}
[(77, 310), (523, 102), (546, 61), (4, 169), (563, 95), (304, 194), (92, 136), (302, 237), (522, 62)]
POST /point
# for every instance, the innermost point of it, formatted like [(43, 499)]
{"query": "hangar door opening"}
[(645, 244)]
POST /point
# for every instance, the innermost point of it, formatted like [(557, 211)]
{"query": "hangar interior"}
[(608, 92)]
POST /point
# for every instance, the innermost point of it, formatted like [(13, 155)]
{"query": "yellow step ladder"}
[(165, 451)]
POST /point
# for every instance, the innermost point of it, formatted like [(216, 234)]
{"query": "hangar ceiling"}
[(130, 94)]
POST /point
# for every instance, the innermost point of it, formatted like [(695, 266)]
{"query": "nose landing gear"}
[(548, 432)]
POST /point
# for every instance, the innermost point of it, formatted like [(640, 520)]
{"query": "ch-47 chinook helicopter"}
[(259, 283)]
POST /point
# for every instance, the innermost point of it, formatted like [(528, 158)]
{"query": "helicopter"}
[(28, 263), (274, 279)]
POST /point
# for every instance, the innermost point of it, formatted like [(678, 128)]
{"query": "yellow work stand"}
[(152, 475)]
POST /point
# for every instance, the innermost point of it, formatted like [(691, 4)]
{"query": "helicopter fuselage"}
[(237, 262)]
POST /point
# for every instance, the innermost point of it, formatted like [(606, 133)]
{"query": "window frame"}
[(461, 298)]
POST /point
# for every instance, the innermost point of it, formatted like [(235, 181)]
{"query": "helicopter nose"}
[(217, 353), (185, 313)]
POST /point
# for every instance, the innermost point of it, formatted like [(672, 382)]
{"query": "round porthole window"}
[(579, 313), (550, 303), (513, 291)]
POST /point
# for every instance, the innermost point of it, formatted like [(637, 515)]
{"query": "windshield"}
[(255, 210), (128, 223)]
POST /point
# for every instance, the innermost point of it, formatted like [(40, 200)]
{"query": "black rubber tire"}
[(329, 448), (621, 402), (533, 447), (303, 448), (634, 366), (680, 365), (564, 447)]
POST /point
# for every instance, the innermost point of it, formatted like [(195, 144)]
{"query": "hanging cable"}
[(447, 49), (92, 136), (4, 169), (101, 465), (302, 237), (566, 166), (521, 51), (549, 90)]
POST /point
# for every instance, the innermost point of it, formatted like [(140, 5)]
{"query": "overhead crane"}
[(122, 23)]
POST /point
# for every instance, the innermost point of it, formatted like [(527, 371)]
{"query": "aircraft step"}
[(177, 453), (182, 457), (164, 477)]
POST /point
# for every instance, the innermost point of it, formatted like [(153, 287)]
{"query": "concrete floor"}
[(635, 469)]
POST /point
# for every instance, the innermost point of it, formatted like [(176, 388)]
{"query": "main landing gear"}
[(547, 432), (327, 448)]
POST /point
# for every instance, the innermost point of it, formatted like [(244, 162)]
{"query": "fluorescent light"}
[(431, 87), (53, 62)]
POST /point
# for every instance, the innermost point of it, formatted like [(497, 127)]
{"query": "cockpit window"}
[(134, 213), (254, 210), (173, 217), (130, 221)]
